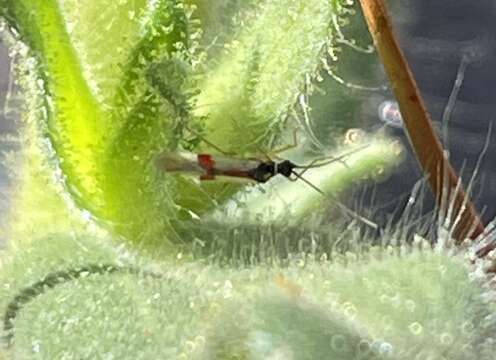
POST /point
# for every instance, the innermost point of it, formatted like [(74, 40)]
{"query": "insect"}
[(210, 167)]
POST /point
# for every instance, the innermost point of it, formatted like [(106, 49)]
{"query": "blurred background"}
[(450, 46), (8, 127)]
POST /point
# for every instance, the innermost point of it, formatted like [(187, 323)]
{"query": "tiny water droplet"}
[(385, 348), (364, 347), (36, 346), (337, 342), (410, 305), (350, 309), (415, 328), (389, 113), (446, 339)]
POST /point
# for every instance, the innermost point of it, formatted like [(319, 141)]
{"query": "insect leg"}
[(316, 161), (322, 161), (343, 207), (299, 177), (212, 145), (286, 147)]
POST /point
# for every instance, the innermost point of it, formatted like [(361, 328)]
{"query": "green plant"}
[(108, 85), (108, 102)]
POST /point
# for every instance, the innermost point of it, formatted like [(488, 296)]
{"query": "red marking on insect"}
[(208, 164)]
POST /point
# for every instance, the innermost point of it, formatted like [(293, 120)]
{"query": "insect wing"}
[(226, 164), (235, 169), (207, 166), (179, 162)]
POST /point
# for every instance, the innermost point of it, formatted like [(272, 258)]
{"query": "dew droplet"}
[(467, 327), (410, 305), (36, 346), (384, 299), (389, 113), (350, 309), (364, 347), (189, 346), (415, 328), (385, 348), (338, 342), (200, 340), (446, 339)]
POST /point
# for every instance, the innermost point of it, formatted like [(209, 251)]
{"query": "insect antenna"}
[(307, 182), (343, 207), (322, 161), (212, 145)]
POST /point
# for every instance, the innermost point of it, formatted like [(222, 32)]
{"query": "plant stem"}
[(445, 183)]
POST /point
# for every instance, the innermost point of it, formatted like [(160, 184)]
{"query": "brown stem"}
[(443, 180)]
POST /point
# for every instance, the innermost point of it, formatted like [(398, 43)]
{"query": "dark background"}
[(435, 35)]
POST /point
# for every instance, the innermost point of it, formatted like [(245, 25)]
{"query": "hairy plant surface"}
[(109, 101), (101, 257)]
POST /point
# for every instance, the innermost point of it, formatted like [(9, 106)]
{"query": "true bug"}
[(209, 167)]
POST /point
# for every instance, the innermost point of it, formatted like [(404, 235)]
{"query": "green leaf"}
[(74, 120), (109, 85), (98, 109), (122, 82), (379, 305), (248, 91)]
